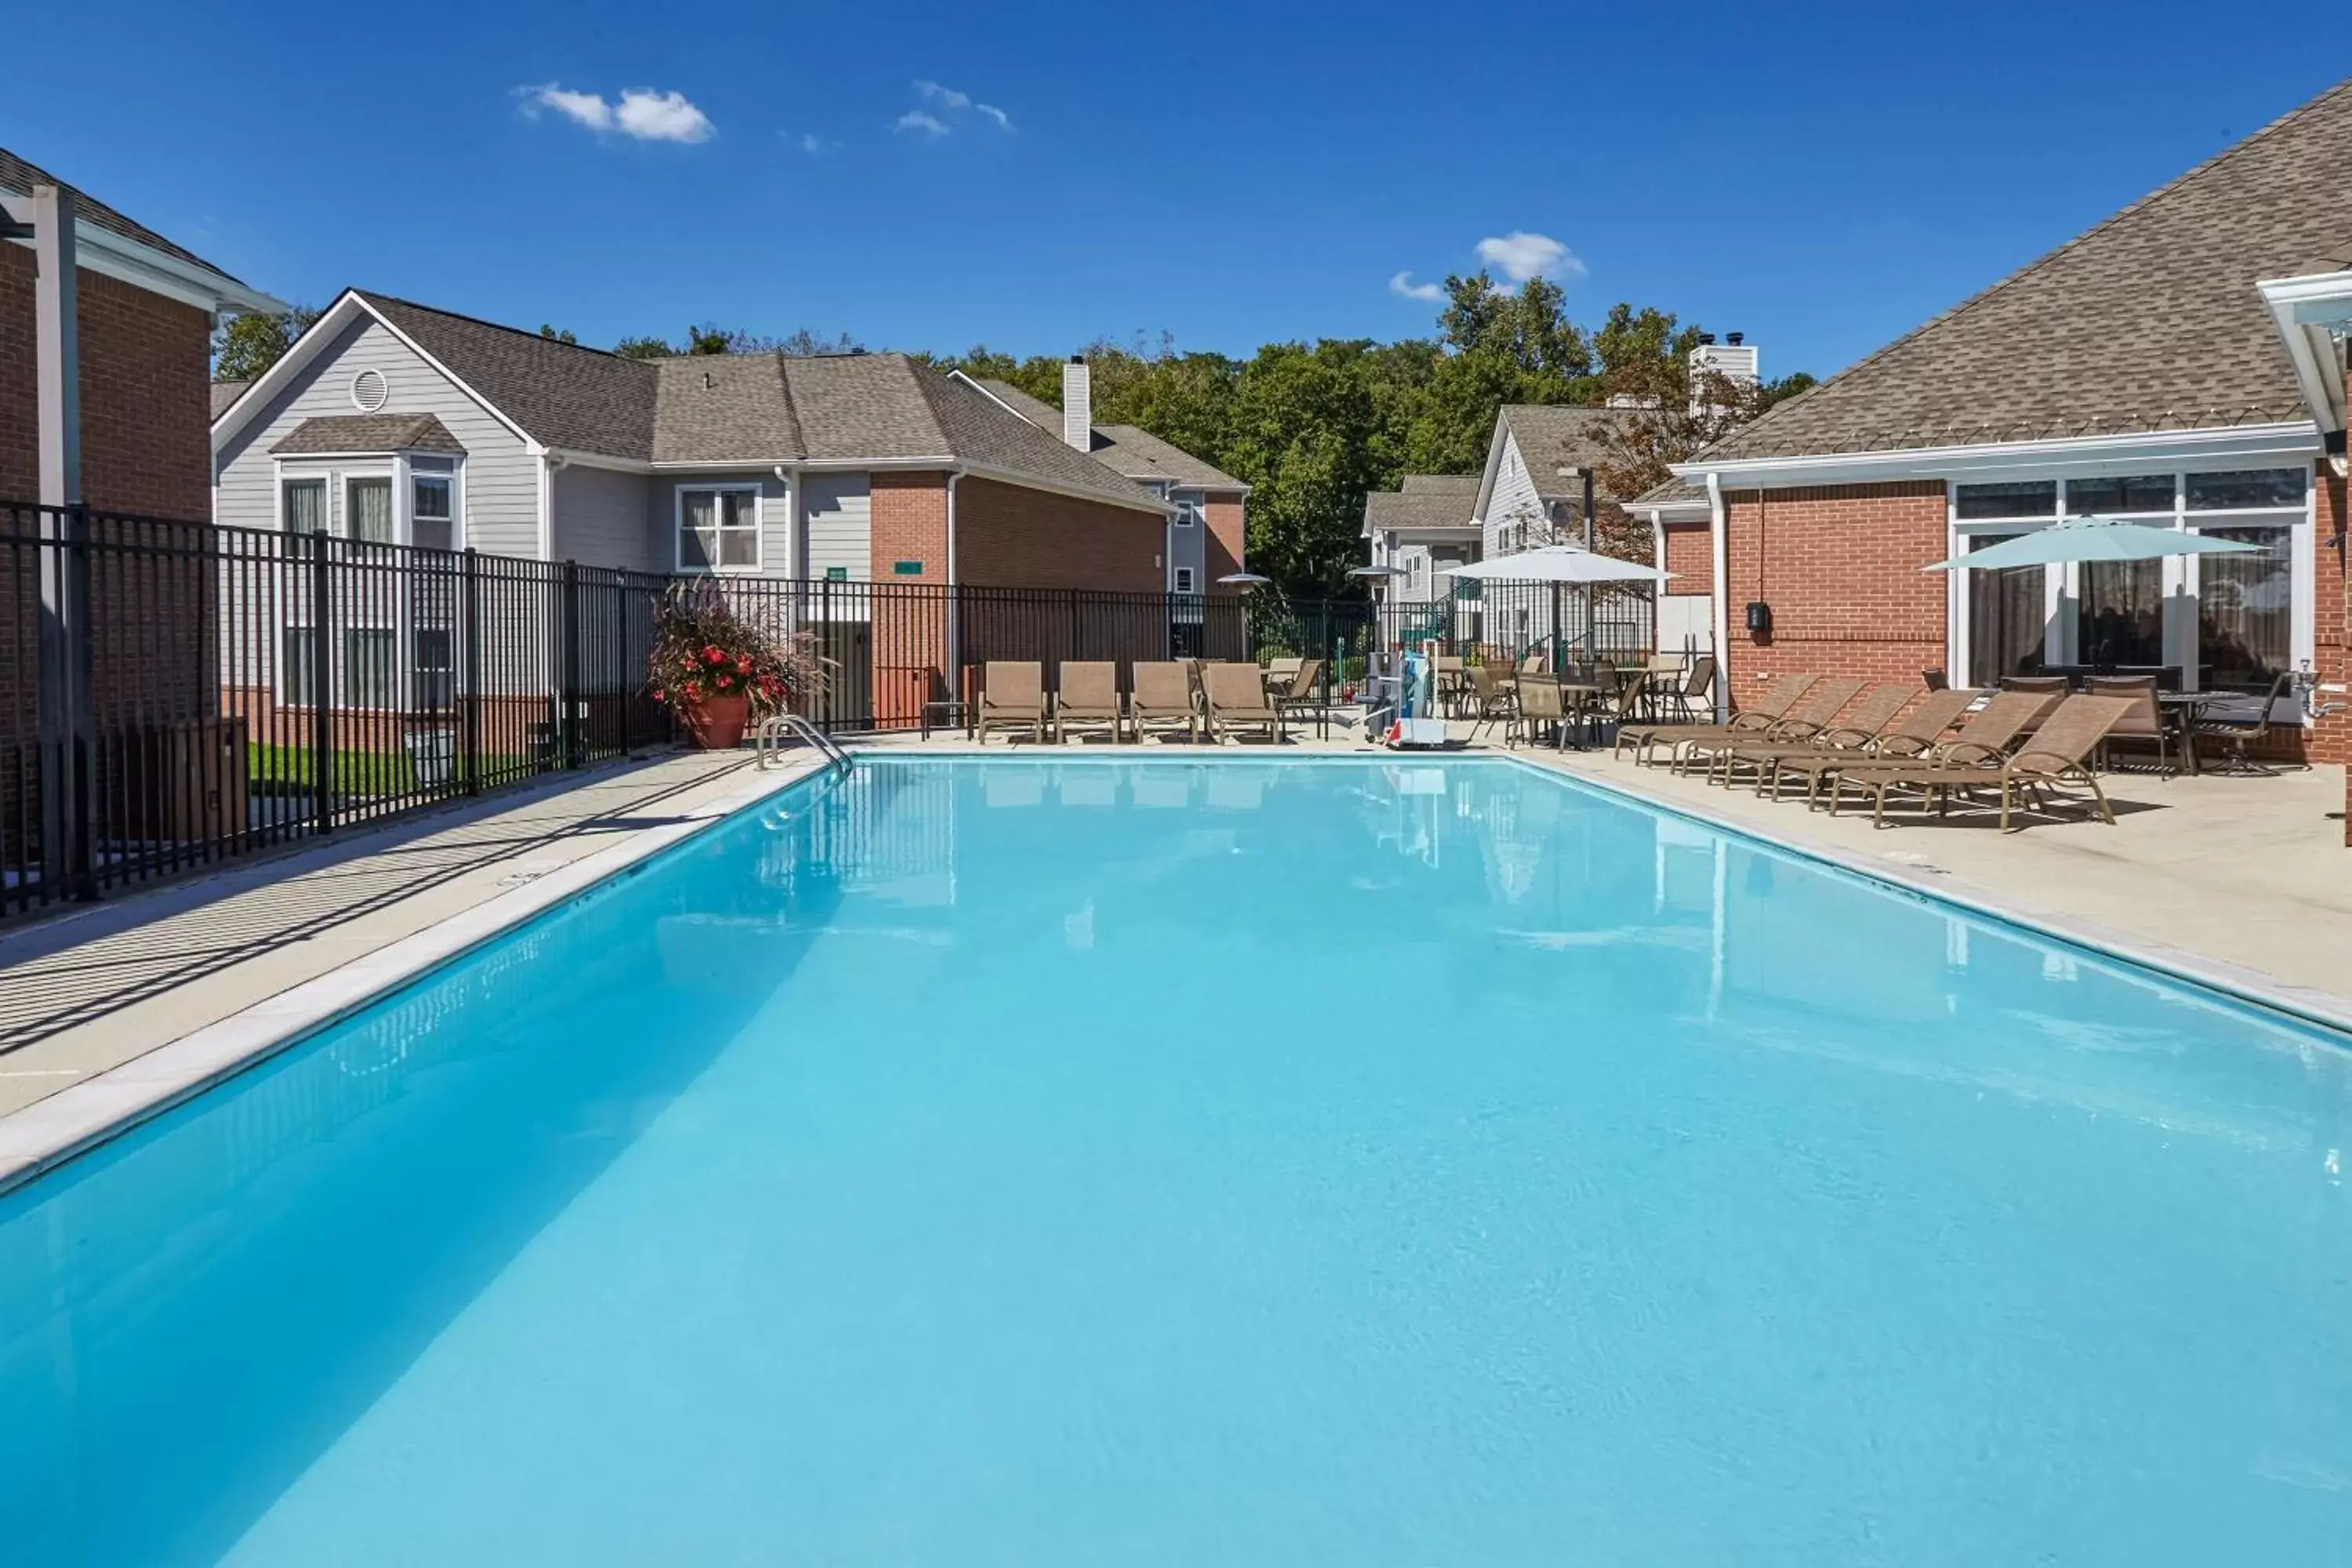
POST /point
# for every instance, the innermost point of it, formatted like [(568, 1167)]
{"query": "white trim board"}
[(2084, 457)]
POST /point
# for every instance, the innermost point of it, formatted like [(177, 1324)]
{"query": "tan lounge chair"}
[(1012, 696), (1984, 739), (1852, 734), (1920, 732), (1809, 716), (1775, 701), (1236, 700), (2053, 754), (1089, 699), (1163, 698), (1303, 690)]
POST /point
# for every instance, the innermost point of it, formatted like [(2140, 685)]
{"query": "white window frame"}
[(758, 529), (1183, 580), (344, 477), (2181, 580), (1187, 513)]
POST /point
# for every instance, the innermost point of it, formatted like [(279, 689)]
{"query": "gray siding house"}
[(402, 424)]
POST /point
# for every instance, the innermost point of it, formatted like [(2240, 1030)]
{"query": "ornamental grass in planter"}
[(719, 672)]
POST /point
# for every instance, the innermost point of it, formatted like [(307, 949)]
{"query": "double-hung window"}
[(718, 528), (367, 507), (1183, 579), (431, 514)]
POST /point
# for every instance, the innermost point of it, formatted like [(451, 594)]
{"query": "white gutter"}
[(2301, 311), (2298, 438), (160, 272)]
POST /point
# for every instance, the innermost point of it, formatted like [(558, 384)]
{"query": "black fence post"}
[(471, 675), (322, 726), (574, 750)]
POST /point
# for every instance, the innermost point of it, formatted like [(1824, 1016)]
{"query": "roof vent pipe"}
[(1734, 339), (1077, 405)]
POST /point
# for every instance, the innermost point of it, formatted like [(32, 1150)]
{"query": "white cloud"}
[(946, 95), (651, 116), (1520, 256), (951, 103), (586, 107), (809, 142), (1402, 283), (1004, 120), (916, 119), (643, 113)]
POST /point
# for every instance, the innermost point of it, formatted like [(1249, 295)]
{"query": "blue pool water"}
[(1026, 1162)]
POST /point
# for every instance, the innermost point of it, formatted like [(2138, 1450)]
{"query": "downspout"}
[(1719, 570), (954, 662)]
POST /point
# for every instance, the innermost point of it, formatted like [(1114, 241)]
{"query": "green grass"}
[(289, 770)]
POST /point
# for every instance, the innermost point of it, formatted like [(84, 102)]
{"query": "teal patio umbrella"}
[(2090, 538)]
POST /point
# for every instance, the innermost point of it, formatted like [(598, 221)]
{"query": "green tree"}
[(643, 348), (250, 345), (554, 336)]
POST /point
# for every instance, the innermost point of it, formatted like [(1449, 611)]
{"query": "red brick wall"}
[(145, 406), (1690, 557), (1841, 567), (1008, 537), (2331, 738), (910, 524), (1227, 545)]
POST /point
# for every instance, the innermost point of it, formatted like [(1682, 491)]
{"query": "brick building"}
[(2181, 365)]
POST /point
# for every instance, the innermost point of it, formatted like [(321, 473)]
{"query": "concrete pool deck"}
[(109, 1011)]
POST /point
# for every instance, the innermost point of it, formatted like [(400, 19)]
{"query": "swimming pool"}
[(1173, 1162)]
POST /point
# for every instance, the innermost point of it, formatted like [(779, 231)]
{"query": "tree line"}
[(1313, 427)]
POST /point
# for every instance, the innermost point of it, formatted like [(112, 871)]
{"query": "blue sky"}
[(1821, 176)]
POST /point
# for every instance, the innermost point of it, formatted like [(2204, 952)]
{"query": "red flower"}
[(713, 654), (659, 695), (725, 682), (743, 665)]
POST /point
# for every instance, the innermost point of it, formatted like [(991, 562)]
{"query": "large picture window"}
[(719, 529), (2245, 609), (368, 502), (2006, 619), (2120, 613), (306, 505)]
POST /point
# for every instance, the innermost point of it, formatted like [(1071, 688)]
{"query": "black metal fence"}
[(175, 694)]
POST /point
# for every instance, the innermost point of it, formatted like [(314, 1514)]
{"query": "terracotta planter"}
[(716, 724)]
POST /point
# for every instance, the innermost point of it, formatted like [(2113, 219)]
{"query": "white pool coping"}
[(75, 1119)]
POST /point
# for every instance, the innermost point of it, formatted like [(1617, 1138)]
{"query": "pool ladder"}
[(779, 728)]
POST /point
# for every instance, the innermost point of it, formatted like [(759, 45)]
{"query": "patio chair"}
[(1698, 685), (1542, 705), (2143, 724), (1852, 734), (1936, 680), (1920, 732), (1985, 738), (1493, 694), (2033, 683), (1012, 696), (1303, 690), (2055, 755), (1811, 714), (1768, 708), (2240, 733), (1162, 700), (1236, 700), (1089, 700)]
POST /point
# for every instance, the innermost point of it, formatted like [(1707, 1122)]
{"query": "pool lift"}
[(1418, 724)]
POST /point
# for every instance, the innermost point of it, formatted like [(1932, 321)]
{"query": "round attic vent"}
[(368, 391)]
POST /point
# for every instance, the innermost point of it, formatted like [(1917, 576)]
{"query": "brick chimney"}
[(1079, 405)]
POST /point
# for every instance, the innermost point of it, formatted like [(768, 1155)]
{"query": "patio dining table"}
[(2184, 709)]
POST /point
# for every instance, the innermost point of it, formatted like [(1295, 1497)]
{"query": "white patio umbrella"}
[(1251, 578), (1377, 572), (2090, 538), (1557, 563)]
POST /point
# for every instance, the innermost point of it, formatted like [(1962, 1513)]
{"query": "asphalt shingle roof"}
[(2149, 321), (226, 392), (724, 409), (1424, 500), (18, 177), (1552, 435), (368, 433), (1128, 449), (565, 396)]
